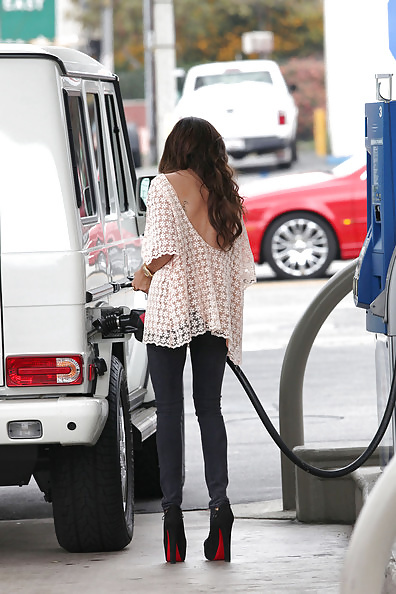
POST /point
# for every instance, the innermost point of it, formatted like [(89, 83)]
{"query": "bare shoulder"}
[(179, 179), (173, 175), (182, 183)]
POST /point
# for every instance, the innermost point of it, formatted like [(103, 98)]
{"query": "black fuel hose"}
[(320, 472)]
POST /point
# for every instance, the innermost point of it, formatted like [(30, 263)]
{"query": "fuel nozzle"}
[(115, 323)]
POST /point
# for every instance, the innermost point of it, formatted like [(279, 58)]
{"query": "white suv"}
[(248, 102), (77, 408)]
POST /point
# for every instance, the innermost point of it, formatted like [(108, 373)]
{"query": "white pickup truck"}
[(248, 102), (77, 410)]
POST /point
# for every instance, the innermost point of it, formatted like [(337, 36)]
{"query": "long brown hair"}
[(195, 144)]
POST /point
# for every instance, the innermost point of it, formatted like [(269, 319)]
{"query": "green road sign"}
[(24, 20)]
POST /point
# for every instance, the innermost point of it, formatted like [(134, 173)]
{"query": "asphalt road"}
[(339, 390)]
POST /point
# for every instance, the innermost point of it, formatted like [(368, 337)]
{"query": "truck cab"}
[(250, 105), (76, 403)]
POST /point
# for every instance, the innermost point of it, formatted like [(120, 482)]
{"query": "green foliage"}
[(211, 31), (128, 36), (132, 83)]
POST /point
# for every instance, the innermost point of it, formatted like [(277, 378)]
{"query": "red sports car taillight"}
[(44, 371)]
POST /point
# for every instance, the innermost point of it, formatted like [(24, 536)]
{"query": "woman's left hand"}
[(141, 282)]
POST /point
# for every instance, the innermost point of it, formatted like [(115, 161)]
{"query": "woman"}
[(197, 263)]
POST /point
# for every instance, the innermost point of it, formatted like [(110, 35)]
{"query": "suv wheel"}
[(92, 487)]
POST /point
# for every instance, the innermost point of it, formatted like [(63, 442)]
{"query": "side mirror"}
[(142, 188)]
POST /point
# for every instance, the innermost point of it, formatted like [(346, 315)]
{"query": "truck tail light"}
[(44, 371), (282, 118)]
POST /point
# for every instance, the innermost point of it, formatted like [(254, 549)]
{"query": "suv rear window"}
[(79, 153), (95, 126), (115, 140)]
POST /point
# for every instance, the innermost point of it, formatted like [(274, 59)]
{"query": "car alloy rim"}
[(300, 247), (123, 456)]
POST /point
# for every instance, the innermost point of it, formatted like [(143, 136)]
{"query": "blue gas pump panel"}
[(373, 262)]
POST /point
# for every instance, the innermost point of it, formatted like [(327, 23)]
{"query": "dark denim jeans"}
[(166, 365)]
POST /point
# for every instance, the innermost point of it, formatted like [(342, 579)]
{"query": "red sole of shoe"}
[(168, 555), (220, 549)]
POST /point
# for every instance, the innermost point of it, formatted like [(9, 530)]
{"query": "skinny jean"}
[(166, 365)]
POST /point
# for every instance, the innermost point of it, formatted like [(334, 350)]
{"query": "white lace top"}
[(201, 288)]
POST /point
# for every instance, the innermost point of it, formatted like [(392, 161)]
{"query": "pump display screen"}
[(376, 156)]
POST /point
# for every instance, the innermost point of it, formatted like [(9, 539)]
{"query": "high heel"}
[(174, 537), (218, 544)]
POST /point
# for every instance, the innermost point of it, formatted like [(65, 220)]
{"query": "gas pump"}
[(374, 283), (369, 286)]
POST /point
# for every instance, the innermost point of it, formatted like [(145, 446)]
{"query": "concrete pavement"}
[(271, 553)]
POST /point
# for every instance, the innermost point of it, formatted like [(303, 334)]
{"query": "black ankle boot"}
[(218, 544), (174, 538)]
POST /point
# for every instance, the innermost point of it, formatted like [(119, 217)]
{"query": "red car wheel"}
[(299, 245)]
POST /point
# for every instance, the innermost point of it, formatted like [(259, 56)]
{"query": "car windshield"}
[(349, 166), (231, 77)]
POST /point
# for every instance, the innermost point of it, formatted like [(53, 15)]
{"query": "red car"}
[(299, 223)]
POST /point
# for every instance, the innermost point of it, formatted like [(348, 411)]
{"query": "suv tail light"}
[(44, 371), (282, 118)]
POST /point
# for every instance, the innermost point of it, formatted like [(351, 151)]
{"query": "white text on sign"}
[(22, 5)]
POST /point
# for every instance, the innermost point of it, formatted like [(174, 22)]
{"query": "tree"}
[(307, 75), (128, 27), (211, 30)]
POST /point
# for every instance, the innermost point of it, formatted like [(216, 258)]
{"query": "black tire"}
[(147, 475), (293, 156), (238, 155), (137, 159), (294, 151), (92, 487), (135, 143), (285, 165), (299, 245)]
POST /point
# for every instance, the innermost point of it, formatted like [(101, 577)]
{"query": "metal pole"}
[(165, 66), (107, 51), (149, 78)]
